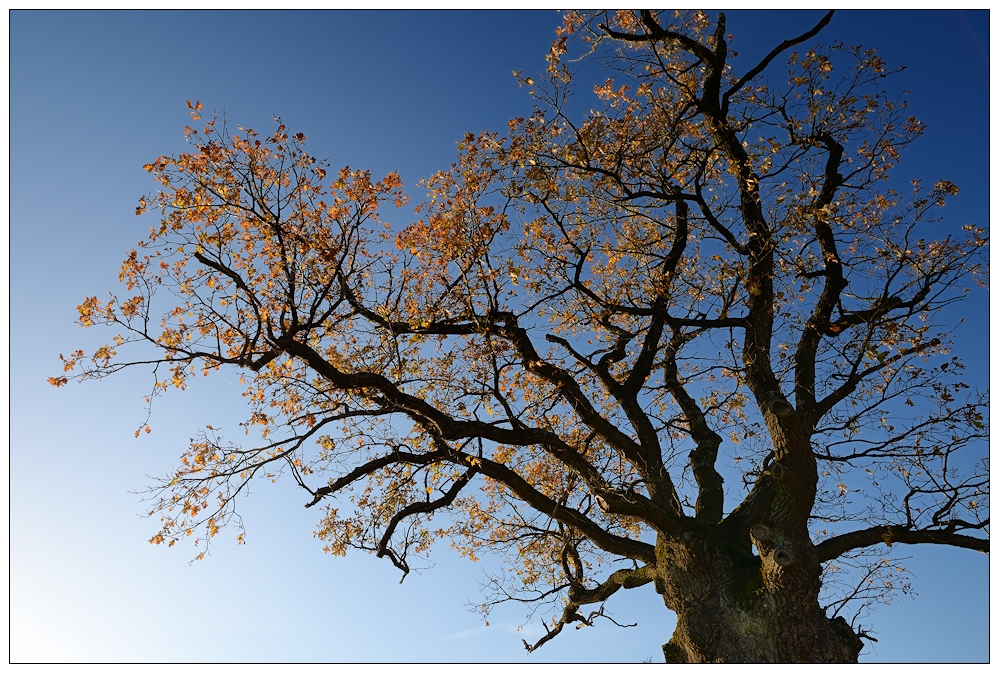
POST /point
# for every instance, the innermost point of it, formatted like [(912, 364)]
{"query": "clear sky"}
[(95, 95)]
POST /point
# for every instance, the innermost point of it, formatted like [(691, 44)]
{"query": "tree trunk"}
[(735, 607)]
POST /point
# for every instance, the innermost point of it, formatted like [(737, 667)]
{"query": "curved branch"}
[(834, 284), (418, 508), (709, 216), (835, 397), (647, 460), (774, 53), (657, 33), (373, 466), (578, 596), (710, 493), (888, 534), (618, 504), (631, 504)]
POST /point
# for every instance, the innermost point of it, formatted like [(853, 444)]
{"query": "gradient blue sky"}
[(94, 95)]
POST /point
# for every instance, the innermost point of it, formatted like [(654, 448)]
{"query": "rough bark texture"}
[(733, 606)]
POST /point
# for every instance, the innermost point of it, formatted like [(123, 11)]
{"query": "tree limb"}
[(774, 53), (418, 508), (579, 596), (889, 534), (656, 33)]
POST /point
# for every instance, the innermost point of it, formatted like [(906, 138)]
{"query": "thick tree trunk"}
[(733, 606)]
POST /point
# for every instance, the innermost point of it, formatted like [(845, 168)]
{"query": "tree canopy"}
[(690, 337)]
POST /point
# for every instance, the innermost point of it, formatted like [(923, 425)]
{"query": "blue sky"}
[(96, 95)]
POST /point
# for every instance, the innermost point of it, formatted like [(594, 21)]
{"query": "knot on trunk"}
[(771, 543), (777, 470), (761, 533)]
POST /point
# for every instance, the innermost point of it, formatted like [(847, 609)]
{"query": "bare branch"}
[(890, 534), (579, 596)]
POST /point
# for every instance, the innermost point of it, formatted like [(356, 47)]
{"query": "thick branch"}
[(416, 408), (373, 466), (649, 465), (656, 33), (614, 544), (643, 364), (444, 426), (818, 322), (710, 493), (630, 505), (888, 534)]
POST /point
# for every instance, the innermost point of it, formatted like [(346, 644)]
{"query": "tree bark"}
[(734, 606)]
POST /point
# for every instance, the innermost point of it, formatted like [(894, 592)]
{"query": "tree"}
[(592, 317)]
